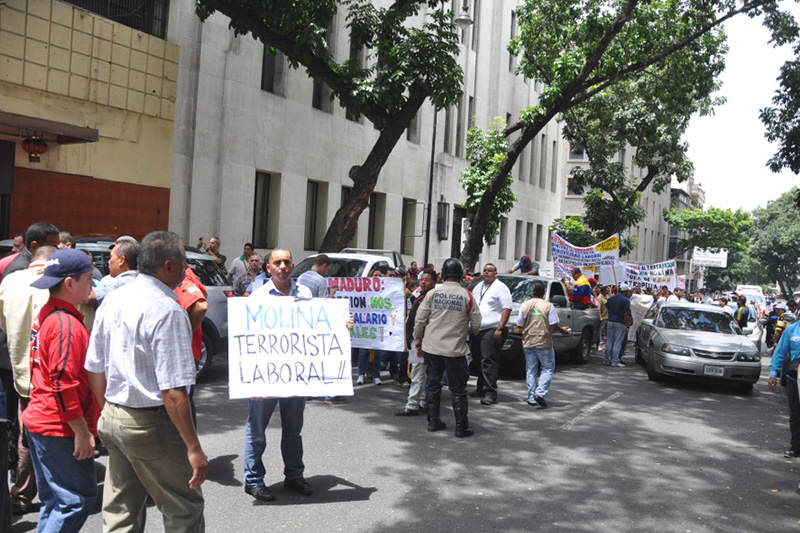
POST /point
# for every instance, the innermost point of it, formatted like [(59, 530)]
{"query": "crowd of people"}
[(96, 365)]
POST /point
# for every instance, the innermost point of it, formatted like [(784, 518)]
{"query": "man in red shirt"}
[(61, 418), (192, 296)]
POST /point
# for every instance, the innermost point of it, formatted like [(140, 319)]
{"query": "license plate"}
[(709, 370)]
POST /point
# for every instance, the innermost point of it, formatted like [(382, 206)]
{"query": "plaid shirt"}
[(142, 342)]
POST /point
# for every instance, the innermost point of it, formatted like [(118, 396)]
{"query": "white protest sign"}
[(612, 275), (378, 308), (282, 346), (707, 258), (653, 276), (566, 256)]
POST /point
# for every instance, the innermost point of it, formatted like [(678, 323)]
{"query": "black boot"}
[(460, 408), (434, 421)]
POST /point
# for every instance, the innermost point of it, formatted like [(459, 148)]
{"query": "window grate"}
[(149, 16)]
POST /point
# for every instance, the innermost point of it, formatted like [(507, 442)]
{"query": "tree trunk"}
[(480, 219), (344, 224)]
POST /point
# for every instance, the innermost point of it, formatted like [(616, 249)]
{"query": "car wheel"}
[(584, 349), (650, 367), (638, 357), (745, 388), (206, 357)]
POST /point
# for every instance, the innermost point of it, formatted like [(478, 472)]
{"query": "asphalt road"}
[(614, 452)]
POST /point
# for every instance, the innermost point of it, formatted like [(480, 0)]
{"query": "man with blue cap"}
[(61, 418)]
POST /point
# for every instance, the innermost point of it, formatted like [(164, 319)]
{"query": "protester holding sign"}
[(445, 317), (419, 368)]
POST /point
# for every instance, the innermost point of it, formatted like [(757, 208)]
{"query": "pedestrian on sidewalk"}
[(619, 319), (448, 313), (416, 392), (140, 366), (61, 418), (494, 300), (536, 321)]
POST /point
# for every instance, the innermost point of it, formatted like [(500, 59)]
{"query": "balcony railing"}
[(149, 16)]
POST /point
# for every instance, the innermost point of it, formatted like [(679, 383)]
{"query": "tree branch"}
[(652, 172)]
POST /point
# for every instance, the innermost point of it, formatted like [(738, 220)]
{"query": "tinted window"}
[(340, 268), (556, 290), (696, 320), (209, 273)]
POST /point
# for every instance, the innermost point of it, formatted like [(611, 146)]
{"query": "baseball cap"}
[(62, 264), (624, 287)]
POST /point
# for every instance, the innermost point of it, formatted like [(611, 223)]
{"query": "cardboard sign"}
[(709, 258), (653, 276), (566, 256), (283, 346), (378, 307)]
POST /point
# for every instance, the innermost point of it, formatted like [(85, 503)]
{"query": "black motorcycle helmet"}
[(452, 268)]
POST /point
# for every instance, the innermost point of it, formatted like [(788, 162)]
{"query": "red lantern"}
[(34, 146)]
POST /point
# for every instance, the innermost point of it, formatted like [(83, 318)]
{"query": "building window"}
[(621, 157), (149, 16), (554, 168), (528, 238), (476, 12), (316, 211), (577, 153), (443, 221), (573, 189), (523, 163), (511, 57), (501, 251), (471, 112), (460, 127), (408, 225), (412, 132), (272, 71), (538, 252), (532, 169), (543, 162), (448, 134), (518, 239), (356, 57), (265, 210), (377, 219), (321, 93), (549, 249)]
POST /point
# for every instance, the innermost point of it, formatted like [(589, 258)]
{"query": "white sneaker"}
[(360, 380), (376, 380), (617, 365)]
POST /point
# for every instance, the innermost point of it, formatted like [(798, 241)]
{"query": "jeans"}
[(794, 414), (365, 367), (457, 375), (291, 441), (394, 359), (615, 342), (539, 385), (486, 351), (67, 488)]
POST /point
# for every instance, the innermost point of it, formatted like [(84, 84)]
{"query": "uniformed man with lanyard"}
[(494, 300)]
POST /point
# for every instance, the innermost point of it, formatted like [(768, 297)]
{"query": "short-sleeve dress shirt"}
[(142, 342), (268, 288), (315, 282), (491, 299)]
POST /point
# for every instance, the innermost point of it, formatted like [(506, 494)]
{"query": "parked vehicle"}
[(393, 257), (696, 340), (215, 323), (345, 265), (585, 323)]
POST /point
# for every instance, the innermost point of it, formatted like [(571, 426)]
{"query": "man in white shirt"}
[(494, 300), (675, 296), (140, 366)]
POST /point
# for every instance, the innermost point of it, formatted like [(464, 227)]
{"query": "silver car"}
[(685, 339)]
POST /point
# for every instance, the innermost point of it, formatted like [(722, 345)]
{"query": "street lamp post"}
[(463, 20)]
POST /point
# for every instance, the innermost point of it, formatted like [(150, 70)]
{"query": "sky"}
[(728, 148)]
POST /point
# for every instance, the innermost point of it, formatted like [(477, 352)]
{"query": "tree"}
[(408, 64), (776, 241), (574, 231), (714, 228), (581, 48), (485, 150), (742, 268)]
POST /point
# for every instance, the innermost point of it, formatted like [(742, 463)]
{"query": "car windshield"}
[(208, 272), (696, 320), (340, 268), (521, 288)]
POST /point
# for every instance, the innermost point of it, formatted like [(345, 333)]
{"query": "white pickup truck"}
[(584, 323)]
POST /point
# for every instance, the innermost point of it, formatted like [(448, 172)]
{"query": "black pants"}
[(486, 356), (794, 414), (457, 375), (5, 500)]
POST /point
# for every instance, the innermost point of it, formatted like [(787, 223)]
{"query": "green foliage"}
[(486, 149), (713, 228), (574, 231), (776, 240), (743, 267)]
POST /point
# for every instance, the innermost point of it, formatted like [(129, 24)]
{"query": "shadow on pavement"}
[(327, 489), (221, 470)]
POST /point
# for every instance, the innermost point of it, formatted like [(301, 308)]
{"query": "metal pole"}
[(430, 189)]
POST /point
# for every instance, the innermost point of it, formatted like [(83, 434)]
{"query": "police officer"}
[(445, 317)]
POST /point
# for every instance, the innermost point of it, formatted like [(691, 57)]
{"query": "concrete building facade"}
[(262, 155), (652, 232)]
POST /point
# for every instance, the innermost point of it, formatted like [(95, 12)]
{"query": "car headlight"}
[(748, 356), (675, 349)]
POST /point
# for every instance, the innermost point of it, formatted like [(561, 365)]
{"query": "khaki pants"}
[(146, 456)]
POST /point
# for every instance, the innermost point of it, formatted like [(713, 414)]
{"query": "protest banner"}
[(378, 308), (707, 258), (281, 347), (566, 256), (653, 276)]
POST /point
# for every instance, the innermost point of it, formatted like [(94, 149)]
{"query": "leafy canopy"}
[(574, 231), (776, 240), (713, 228), (485, 150)]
